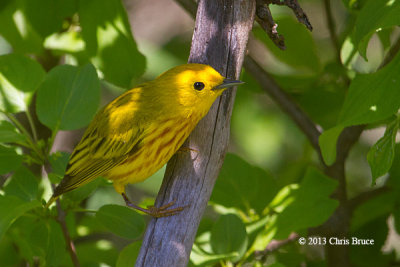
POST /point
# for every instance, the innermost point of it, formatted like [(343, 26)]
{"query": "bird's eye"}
[(198, 86)]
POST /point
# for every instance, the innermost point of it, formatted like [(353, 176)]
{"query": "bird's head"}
[(193, 88)]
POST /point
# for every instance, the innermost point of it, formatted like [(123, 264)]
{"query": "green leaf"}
[(50, 19), (266, 235), (229, 235), (9, 133), (243, 186), (327, 142), (56, 252), (384, 37), (23, 73), (310, 205), (128, 255), (250, 84), (395, 169), (9, 256), (372, 209), (19, 78), (291, 255), (354, 4), (69, 97), (26, 22), (91, 225), (284, 198), (99, 253), (375, 15), (373, 97), (109, 41), (201, 258), (23, 184), (11, 208), (294, 83), (396, 217), (371, 255), (38, 239), (20, 231), (277, 264), (380, 156), (293, 172), (323, 103), (348, 53), (65, 42), (82, 192), (121, 220), (59, 161), (9, 160), (300, 49), (18, 30)]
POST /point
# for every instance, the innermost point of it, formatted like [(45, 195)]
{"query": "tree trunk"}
[(220, 38)]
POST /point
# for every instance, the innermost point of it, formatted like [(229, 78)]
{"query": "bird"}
[(138, 132)]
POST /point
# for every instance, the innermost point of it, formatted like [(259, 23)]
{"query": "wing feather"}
[(113, 136)]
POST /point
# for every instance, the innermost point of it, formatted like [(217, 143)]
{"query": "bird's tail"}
[(51, 200), (63, 187)]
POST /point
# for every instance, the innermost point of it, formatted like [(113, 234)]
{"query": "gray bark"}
[(220, 38)]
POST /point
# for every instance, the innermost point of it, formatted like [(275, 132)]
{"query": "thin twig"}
[(265, 20), (70, 244), (61, 220), (365, 196), (296, 8), (391, 53), (21, 128), (332, 30), (32, 125), (274, 245)]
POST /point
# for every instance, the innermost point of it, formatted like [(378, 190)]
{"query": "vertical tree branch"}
[(338, 224), (219, 39)]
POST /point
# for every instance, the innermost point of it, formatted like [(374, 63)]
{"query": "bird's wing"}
[(113, 136)]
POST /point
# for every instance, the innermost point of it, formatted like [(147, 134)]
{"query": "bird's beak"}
[(226, 84)]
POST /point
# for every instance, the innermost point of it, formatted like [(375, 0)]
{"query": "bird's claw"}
[(187, 149), (163, 211), (153, 211)]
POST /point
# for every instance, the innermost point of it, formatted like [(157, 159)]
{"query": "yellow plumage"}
[(138, 132)]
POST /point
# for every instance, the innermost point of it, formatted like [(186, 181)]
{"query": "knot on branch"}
[(266, 21)]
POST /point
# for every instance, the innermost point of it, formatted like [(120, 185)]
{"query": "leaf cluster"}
[(36, 91)]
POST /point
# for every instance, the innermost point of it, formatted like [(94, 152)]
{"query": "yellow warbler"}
[(138, 132)]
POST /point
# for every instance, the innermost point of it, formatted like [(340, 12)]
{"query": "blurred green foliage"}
[(58, 57)]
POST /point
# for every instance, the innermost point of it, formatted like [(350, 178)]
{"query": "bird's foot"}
[(187, 149), (163, 211), (153, 211)]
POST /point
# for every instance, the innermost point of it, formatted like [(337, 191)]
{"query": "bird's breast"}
[(159, 145)]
